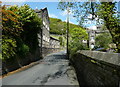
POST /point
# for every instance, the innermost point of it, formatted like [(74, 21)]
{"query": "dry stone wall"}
[(97, 69)]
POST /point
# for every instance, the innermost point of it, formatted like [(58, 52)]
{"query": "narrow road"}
[(54, 69)]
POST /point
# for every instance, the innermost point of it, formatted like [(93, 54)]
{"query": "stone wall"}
[(95, 69), (46, 51), (15, 63)]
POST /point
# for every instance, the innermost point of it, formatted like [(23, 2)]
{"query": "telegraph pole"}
[(68, 32)]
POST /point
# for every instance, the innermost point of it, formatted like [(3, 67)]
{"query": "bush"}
[(8, 47), (23, 50), (75, 46), (20, 34), (76, 37), (61, 41)]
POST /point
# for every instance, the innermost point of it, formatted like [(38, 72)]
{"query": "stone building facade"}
[(54, 43), (45, 41), (43, 14), (93, 33)]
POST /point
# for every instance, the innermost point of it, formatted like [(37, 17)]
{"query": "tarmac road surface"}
[(54, 69)]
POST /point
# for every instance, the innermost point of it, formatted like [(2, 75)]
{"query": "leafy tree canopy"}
[(105, 11), (20, 31), (103, 40), (77, 35)]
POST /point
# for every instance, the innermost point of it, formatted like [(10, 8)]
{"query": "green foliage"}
[(75, 46), (100, 10), (61, 41), (0, 55), (80, 10), (20, 37), (107, 12), (10, 27), (103, 40), (23, 50), (31, 27), (78, 34), (8, 47), (57, 26), (76, 37)]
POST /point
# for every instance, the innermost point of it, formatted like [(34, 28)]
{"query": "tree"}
[(77, 35), (99, 10), (11, 28), (80, 10), (31, 25), (20, 36), (10, 23), (8, 14), (8, 47), (107, 12), (20, 27), (103, 40)]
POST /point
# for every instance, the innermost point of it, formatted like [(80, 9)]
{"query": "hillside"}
[(57, 26)]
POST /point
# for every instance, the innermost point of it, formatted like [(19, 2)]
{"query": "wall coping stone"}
[(113, 58)]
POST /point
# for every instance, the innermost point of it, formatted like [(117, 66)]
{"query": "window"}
[(43, 22), (43, 37), (92, 37)]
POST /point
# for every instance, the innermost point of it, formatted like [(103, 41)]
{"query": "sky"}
[(53, 11)]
